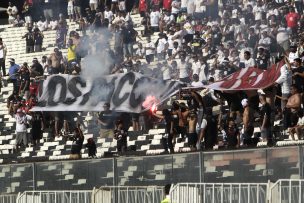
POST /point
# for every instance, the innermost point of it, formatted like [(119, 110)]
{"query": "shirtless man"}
[(292, 109), (56, 59), (247, 122), (192, 135)]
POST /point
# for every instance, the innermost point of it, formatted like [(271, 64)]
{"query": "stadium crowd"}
[(197, 42)]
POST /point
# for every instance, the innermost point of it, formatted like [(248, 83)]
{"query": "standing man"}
[(293, 107), (208, 130), (266, 120), (30, 41), (21, 128), (3, 51), (248, 123), (56, 59), (13, 71), (106, 120)]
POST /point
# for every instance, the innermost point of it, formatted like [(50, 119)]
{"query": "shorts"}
[(135, 117), (77, 9), (266, 133), (192, 139), (70, 10)]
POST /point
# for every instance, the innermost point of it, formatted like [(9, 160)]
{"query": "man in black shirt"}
[(265, 118), (298, 75), (262, 59), (38, 40), (29, 39), (36, 68), (106, 120)]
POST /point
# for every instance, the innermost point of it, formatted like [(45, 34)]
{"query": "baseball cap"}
[(11, 60), (244, 102)]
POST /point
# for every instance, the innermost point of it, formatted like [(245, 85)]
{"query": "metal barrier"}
[(287, 191), (80, 196), (219, 193), (124, 194), (8, 198)]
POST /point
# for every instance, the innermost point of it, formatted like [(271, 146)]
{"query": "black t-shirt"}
[(298, 80), (262, 62), (266, 110), (38, 68), (232, 136), (29, 38), (25, 77), (38, 39), (128, 35), (109, 118), (120, 135), (77, 145)]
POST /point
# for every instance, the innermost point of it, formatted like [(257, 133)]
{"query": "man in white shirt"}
[(265, 40), (196, 81), (154, 20), (22, 120), (162, 46), (285, 80), (183, 67), (248, 61), (12, 12), (3, 51), (150, 49), (282, 37), (108, 14)]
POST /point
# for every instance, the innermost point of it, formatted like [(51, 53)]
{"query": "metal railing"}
[(287, 191), (80, 196), (9, 198), (125, 194), (219, 193)]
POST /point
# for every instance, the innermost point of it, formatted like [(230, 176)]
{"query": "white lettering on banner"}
[(125, 92)]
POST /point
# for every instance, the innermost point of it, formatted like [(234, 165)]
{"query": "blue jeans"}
[(128, 49)]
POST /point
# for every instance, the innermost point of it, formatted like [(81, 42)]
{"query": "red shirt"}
[(142, 6), (167, 4), (292, 19)]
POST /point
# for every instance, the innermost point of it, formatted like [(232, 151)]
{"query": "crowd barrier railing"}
[(128, 194), (77, 196), (9, 198), (219, 193), (287, 191)]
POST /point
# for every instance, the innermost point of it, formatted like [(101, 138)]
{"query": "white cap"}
[(244, 102), (261, 92)]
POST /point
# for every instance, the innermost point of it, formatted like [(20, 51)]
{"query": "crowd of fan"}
[(196, 42)]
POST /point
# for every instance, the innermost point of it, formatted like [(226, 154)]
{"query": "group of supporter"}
[(193, 41)]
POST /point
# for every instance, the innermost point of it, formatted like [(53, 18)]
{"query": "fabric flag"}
[(248, 79), (124, 92)]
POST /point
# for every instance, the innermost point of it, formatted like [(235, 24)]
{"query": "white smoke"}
[(98, 62)]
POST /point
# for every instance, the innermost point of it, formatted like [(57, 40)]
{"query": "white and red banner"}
[(248, 79)]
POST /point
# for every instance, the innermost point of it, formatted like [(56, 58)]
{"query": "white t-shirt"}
[(175, 7), (161, 45), (184, 3), (198, 7), (196, 67), (109, 15), (249, 63), (196, 84), (21, 121), (204, 124), (154, 18), (183, 70), (166, 73), (257, 11), (93, 1), (149, 51), (283, 34)]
